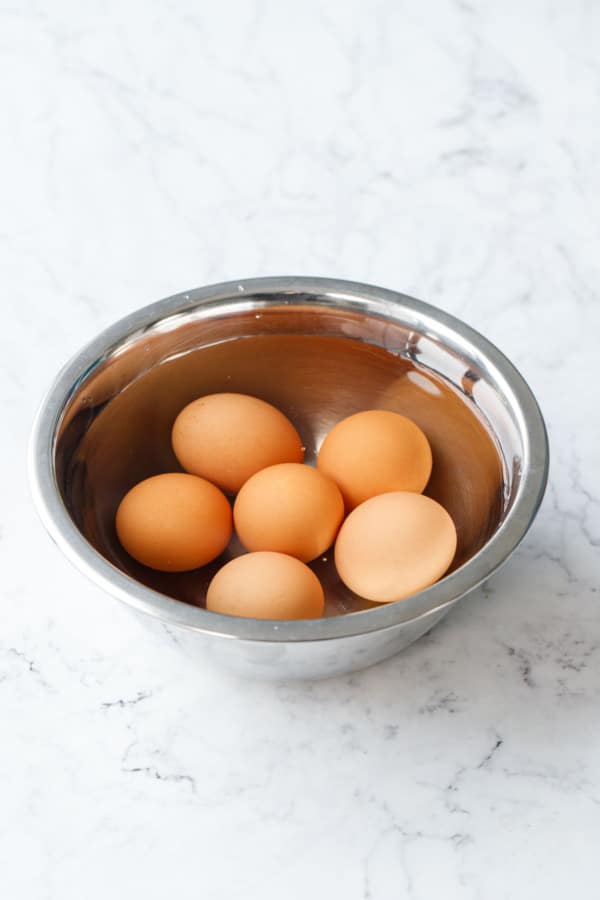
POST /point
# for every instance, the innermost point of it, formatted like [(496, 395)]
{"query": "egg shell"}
[(394, 545), (289, 508), (375, 452), (226, 438), (174, 522), (266, 585)]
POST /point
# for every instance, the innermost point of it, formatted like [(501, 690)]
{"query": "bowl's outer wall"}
[(297, 661)]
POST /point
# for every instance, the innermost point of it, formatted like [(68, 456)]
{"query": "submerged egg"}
[(174, 522), (266, 585), (289, 508), (226, 438), (394, 545), (374, 452)]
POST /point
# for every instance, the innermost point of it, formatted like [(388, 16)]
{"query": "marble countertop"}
[(446, 149)]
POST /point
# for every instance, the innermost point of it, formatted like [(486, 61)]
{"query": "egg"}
[(174, 522), (394, 545), (266, 585), (226, 438), (289, 508), (375, 452)]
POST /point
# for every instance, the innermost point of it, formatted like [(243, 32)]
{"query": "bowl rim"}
[(371, 299)]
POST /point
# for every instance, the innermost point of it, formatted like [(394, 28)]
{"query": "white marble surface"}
[(447, 149)]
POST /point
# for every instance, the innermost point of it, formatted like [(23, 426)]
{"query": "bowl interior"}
[(317, 362)]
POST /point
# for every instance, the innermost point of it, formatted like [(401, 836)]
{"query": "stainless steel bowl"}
[(319, 349)]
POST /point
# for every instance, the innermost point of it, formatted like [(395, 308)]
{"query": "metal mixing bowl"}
[(319, 349)]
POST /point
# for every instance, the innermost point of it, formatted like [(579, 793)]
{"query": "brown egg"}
[(174, 522), (266, 586), (289, 508), (228, 437), (374, 452), (394, 545)]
